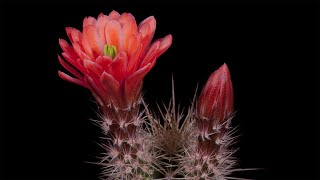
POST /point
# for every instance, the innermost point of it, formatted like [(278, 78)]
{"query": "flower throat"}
[(110, 50)]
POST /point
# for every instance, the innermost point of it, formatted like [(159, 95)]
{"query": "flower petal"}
[(128, 22), (67, 48), (147, 28), (104, 61), (113, 33), (98, 92), (93, 67), (87, 48), (70, 68), (90, 33), (157, 49), (109, 82), (74, 35), (165, 43), (89, 21), (68, 78), (118, 67), (73, 62), (134, 60), (114, 14), (129, 28), (126, 18), (210, 93), (112, 86), (130, 44), (101, 24), (152, 53), (78, 49), (133, 83)]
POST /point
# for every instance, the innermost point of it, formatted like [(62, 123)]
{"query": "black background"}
[(272, 50)]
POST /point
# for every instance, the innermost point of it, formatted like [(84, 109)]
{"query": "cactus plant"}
[(110, 57)]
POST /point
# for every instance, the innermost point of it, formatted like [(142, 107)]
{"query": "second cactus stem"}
[(210, 155)]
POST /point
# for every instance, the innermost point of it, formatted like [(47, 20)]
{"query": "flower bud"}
[(216, 99)]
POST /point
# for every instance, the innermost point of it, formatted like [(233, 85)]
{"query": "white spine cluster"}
[(211, 156), (127, 153)]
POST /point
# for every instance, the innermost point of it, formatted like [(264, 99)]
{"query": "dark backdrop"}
[(272, 50)]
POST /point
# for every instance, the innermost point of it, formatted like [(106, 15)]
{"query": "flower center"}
[(110, 50)]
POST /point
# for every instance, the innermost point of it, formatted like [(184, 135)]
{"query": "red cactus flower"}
[(216, 99), (111, 56)]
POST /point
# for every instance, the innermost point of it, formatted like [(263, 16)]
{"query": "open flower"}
[(111, 56)]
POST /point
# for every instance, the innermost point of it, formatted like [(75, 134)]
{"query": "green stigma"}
[(110, 50)]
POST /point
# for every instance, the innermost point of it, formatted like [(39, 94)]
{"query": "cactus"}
[(127, 155), (110, 58), (169, 135), (210, 155)]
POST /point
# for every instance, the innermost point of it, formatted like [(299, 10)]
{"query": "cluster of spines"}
[(169, 135), (211, 155), (127, 154)]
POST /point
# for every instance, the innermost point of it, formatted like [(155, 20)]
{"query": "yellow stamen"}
[(110, 50)]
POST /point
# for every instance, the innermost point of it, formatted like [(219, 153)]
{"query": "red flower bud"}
[(216, 99)]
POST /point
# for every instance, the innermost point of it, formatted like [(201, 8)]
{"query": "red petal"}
[(97, 91), (112, 86), (165, 43), (109, 82), (129, 24), (70, 68), (129, 28), (151, 21), (101, 24), (68, 78), (89, 21), (64, 45), (147, 29), (133, 83), (228, 108), (74, 35), (84, 56), (114, 14), (93, 67), (152, 53), (90, 33), (67, 48), (87, 48), (157, 49), (134, 60), (127, 18), (78, 49), (104, 61), (118, 67), (152, 63), (209, 95), (130, 45), (100, 15), (113, 33), (73, 62)]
